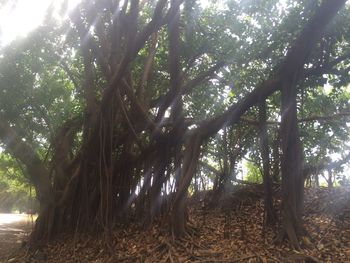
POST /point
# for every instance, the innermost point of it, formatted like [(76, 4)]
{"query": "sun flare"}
[(18, 18)]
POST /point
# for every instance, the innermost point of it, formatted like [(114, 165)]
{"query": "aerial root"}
[(303, 258)]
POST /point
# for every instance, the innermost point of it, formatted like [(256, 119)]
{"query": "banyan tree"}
[(134, 149)]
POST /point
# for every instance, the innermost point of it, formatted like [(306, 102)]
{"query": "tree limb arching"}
[(294, 62), (38, 174)]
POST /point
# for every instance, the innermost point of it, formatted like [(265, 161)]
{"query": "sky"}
[(19, 17)]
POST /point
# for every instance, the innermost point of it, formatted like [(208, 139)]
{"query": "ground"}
[(230, 232), (14, 229)]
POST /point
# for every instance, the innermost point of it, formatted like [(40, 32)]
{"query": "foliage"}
[(16, 193), (253, 173), (120, 101)]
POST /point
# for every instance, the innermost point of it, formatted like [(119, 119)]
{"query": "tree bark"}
[(330, 178), (270, 216), (276, 157), (38, 174), (178, 216), (294, 62), (291, 166)]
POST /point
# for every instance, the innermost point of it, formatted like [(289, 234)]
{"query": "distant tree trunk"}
[(330, 179), (270, 216), (224, 176), (317, 181)]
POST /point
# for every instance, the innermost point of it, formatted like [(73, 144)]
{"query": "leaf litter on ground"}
[(231, 232)]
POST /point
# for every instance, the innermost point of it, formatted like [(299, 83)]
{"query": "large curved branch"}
[(292, 64), (294, 61), (333, 117), (38, 174)]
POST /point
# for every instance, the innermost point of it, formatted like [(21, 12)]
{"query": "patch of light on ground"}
[(14, 218)]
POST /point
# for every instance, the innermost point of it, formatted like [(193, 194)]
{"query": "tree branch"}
[(22, 151), (328, 68)]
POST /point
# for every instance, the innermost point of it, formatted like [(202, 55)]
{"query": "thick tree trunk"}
[(291, 165), (178, 214), (159, 177)]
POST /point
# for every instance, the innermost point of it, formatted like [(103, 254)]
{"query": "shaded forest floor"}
[(14, 228), (229, 232)]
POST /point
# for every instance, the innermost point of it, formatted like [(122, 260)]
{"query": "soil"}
[(230, 232), (14, 229)]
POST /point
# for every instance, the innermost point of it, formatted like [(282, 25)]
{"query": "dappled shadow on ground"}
[(232, 232), (14, 228)]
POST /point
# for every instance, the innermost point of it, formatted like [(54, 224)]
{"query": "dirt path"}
[(14, 228)]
